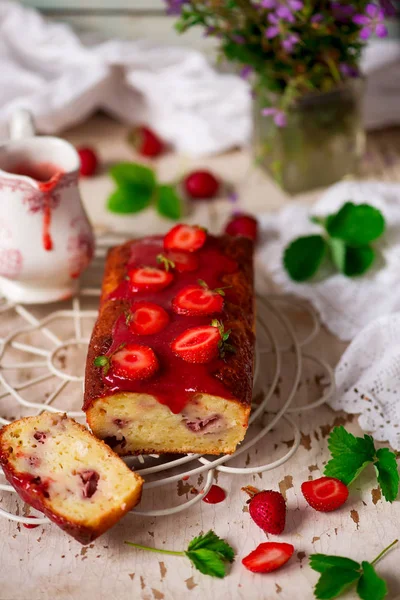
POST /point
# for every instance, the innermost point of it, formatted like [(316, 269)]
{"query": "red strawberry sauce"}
[(176, 381), (215, 495)]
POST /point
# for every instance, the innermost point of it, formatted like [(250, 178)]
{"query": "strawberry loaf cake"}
[(170, 362), (58, 467)]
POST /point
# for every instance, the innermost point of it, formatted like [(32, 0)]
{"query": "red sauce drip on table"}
[(215, 495), (30, 525), (176, 381)]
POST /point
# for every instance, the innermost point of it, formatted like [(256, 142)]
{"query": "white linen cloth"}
[(45, 68), (364, 310)]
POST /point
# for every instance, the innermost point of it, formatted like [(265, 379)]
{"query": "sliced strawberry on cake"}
[(58, 467), (149, 279), (185, 237), (198, 300), (146, 318), (180, 261), (132, 361)]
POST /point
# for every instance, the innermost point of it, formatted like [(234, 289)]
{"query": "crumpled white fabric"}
[(45, 68), (368, 379), (345, 305), (365, 310)]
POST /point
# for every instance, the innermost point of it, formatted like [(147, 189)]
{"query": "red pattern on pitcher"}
[(10, 262), (81, 250)]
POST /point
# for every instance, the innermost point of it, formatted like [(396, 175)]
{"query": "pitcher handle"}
[(21, 124)]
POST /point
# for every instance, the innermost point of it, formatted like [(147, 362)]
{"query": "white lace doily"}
[(368, 379), (346, 305)]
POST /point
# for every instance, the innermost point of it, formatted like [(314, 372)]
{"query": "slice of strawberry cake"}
[(58, 467), (170, 362)]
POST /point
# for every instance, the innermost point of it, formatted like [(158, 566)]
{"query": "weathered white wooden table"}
[(43, 564)]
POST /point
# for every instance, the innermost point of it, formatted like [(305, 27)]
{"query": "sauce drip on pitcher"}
[(48, 176)]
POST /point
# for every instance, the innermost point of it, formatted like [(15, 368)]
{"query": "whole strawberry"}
[(267, 509), (146, 142), (89, 161), (201, 185)]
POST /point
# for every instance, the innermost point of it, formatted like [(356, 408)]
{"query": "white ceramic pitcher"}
[(46, 240)]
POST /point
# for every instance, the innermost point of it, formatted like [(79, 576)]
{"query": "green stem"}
[(384, 552), (155, 549), (333, 69)]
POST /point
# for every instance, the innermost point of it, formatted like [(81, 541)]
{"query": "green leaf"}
[(358, 260), (127, 174), (356, 224), (212, 542), (207, 562), (387, 473), (350, 455), (371, 586), (303, 257), (335, 581), (104, 362), (338, 253), (128, 200), (323, 562), (168, 202)]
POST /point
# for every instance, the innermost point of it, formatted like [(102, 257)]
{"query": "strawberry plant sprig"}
[(346, 240), (167, 263), (138, 188), (338, 574), (350, 456), (220, 290), (208, 553)]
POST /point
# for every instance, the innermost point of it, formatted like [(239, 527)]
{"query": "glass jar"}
[(321, 143)]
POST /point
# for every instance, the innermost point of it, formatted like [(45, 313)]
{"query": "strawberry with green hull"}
[(198, 300), (146, 142), (267, 509)]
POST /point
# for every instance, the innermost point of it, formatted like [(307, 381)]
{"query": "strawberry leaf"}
[(356, 224), (207, 562), (323, 562), (335, 581), (168, 203), (350, 455), (133, 175), (387, 473), (212, 542), (129, 200), (303, 257), (358, 260), (370, 585)]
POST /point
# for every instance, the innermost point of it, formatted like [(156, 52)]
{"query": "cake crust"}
[(235, 373)]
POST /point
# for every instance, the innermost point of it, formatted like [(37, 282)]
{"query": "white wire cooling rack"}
[(36, 375)]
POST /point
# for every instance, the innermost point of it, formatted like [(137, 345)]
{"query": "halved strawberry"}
[(146, 318), (134, 362), (197, 344), (268, 557), (185, 237), (197, 300), (183, 261), (325, 494), (149, 278)]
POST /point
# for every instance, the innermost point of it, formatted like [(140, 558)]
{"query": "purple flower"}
[(233, 197), (277, 114), (273, 30), (342, 12), (388, 9), (246, 72), (317, 18), (289, 42), (348, 70), (268, 4), (371, 22), (277, 4), (174, 7)]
